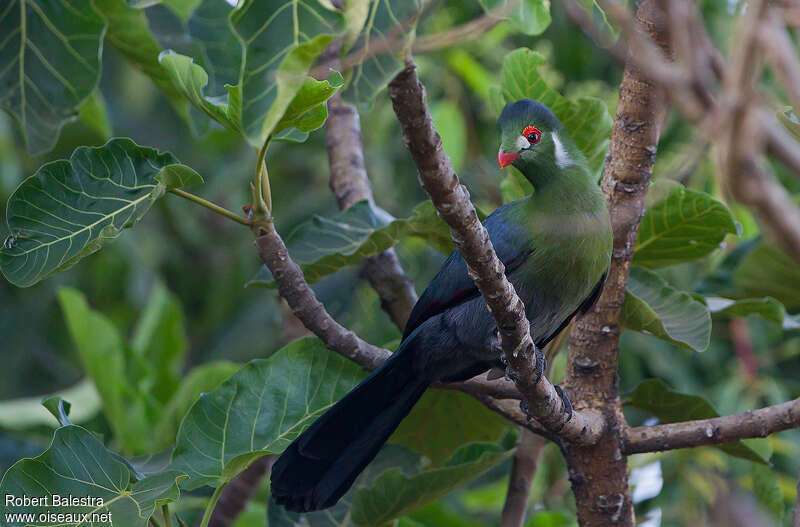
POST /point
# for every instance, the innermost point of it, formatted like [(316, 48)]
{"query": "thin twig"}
[(715, 431), (523, 470), (210, 206)]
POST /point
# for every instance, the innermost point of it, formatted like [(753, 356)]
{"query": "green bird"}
[(556, 248)]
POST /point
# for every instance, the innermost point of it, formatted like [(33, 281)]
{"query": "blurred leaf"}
[(49, 64), (308, 110), (586, 119), (129, 33), (767, 308), (653, 306), (260, 410), (593, 7), (94, 114), (394, 494), (443, 420), (322, 246), (474, 74), (77, 464), (70, 209), (160, 340), (790, 121), (550, 519), (203, 378), (680, 225), (102, 354), (530, 17), (768, 271), (452, 127), (355, 16), (371, 75), (28, 412), (658, 399), (767, 490), (719, 282), (58, 408)]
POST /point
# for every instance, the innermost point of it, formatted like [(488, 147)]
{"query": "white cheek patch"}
[(562, 156), (522, 143)]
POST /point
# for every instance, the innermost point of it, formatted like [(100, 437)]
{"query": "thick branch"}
[(451, 200), (716, 431), (523, 470)]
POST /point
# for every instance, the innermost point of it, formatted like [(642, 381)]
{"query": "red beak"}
[(506, 158)]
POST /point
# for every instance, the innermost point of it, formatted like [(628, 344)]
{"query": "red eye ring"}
[(532, 134)]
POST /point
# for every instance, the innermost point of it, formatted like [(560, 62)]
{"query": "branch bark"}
[(451, 199), (523, 470), (601, 487), (715, 431), (238, 492)]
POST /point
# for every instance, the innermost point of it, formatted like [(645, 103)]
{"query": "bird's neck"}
[(570, 188)]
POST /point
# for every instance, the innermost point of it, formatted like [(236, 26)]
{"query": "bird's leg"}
[(541, 363), (565, 400)]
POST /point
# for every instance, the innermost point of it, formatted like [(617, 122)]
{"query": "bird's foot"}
[(523, 405), (566, 401), (541, 364)]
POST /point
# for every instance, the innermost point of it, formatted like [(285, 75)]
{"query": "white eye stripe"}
[(562, 156), (522, 142)]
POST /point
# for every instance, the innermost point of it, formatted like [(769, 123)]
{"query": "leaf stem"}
[(262, 194), (167, 517), (212, 503), (211, 206)]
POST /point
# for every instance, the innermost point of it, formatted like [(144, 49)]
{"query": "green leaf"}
[(77, 464), (308, 110), (203, 378), (653, 306), (530, 17), (789, 119), (260, 410), (102, 354), (93, 113), (768, 271), (767, 308), (28, 412), (370, 76), (49, 64), (450, 123), (658, 399), (593, 7), (767, 489), (322, 246), (58, 408), (680, 225), (70, 209), (586, 119), (443, 420), (394, 493)]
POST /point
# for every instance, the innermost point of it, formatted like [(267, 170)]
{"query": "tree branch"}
[(601, 487), (715, 431), (523, 470), (451, 200), (238, 492)]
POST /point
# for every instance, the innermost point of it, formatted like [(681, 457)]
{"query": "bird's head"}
[(532, 138)]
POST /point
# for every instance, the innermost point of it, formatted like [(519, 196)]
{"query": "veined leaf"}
[(530, 17), (653, 306), (586, 119), (322, 246), (767, 308), (680, 225), (70, 209), (77, 464), (260, 410), (373, 73), (308, 110), (658, 399), (49, 64)]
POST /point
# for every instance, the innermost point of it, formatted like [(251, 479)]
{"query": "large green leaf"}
[(658, 399), (653, 306), (680, 225), (768, 271), (383, 18), (767, 308), (530, 17), (443, 420), (70, 209), (49, 63), (260, 410), (103, 356), (77, 464), (322, 246), (308, 110), (586, 119)]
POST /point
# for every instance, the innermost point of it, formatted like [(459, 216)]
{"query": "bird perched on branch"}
[(556, 247)]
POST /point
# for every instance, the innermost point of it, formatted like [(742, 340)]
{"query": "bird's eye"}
[(532, 134)]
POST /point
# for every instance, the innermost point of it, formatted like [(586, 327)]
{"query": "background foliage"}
[(134, 334)]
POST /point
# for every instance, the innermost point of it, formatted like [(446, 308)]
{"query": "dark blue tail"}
[(321, 464)]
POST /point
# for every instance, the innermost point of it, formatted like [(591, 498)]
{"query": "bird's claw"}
[(541, 364), (566, 401)]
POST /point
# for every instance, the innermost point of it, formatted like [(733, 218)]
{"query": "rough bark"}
[(601, 486), (350, 184), (238, 492), (451, 199), (523, 470), (715, 431)]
